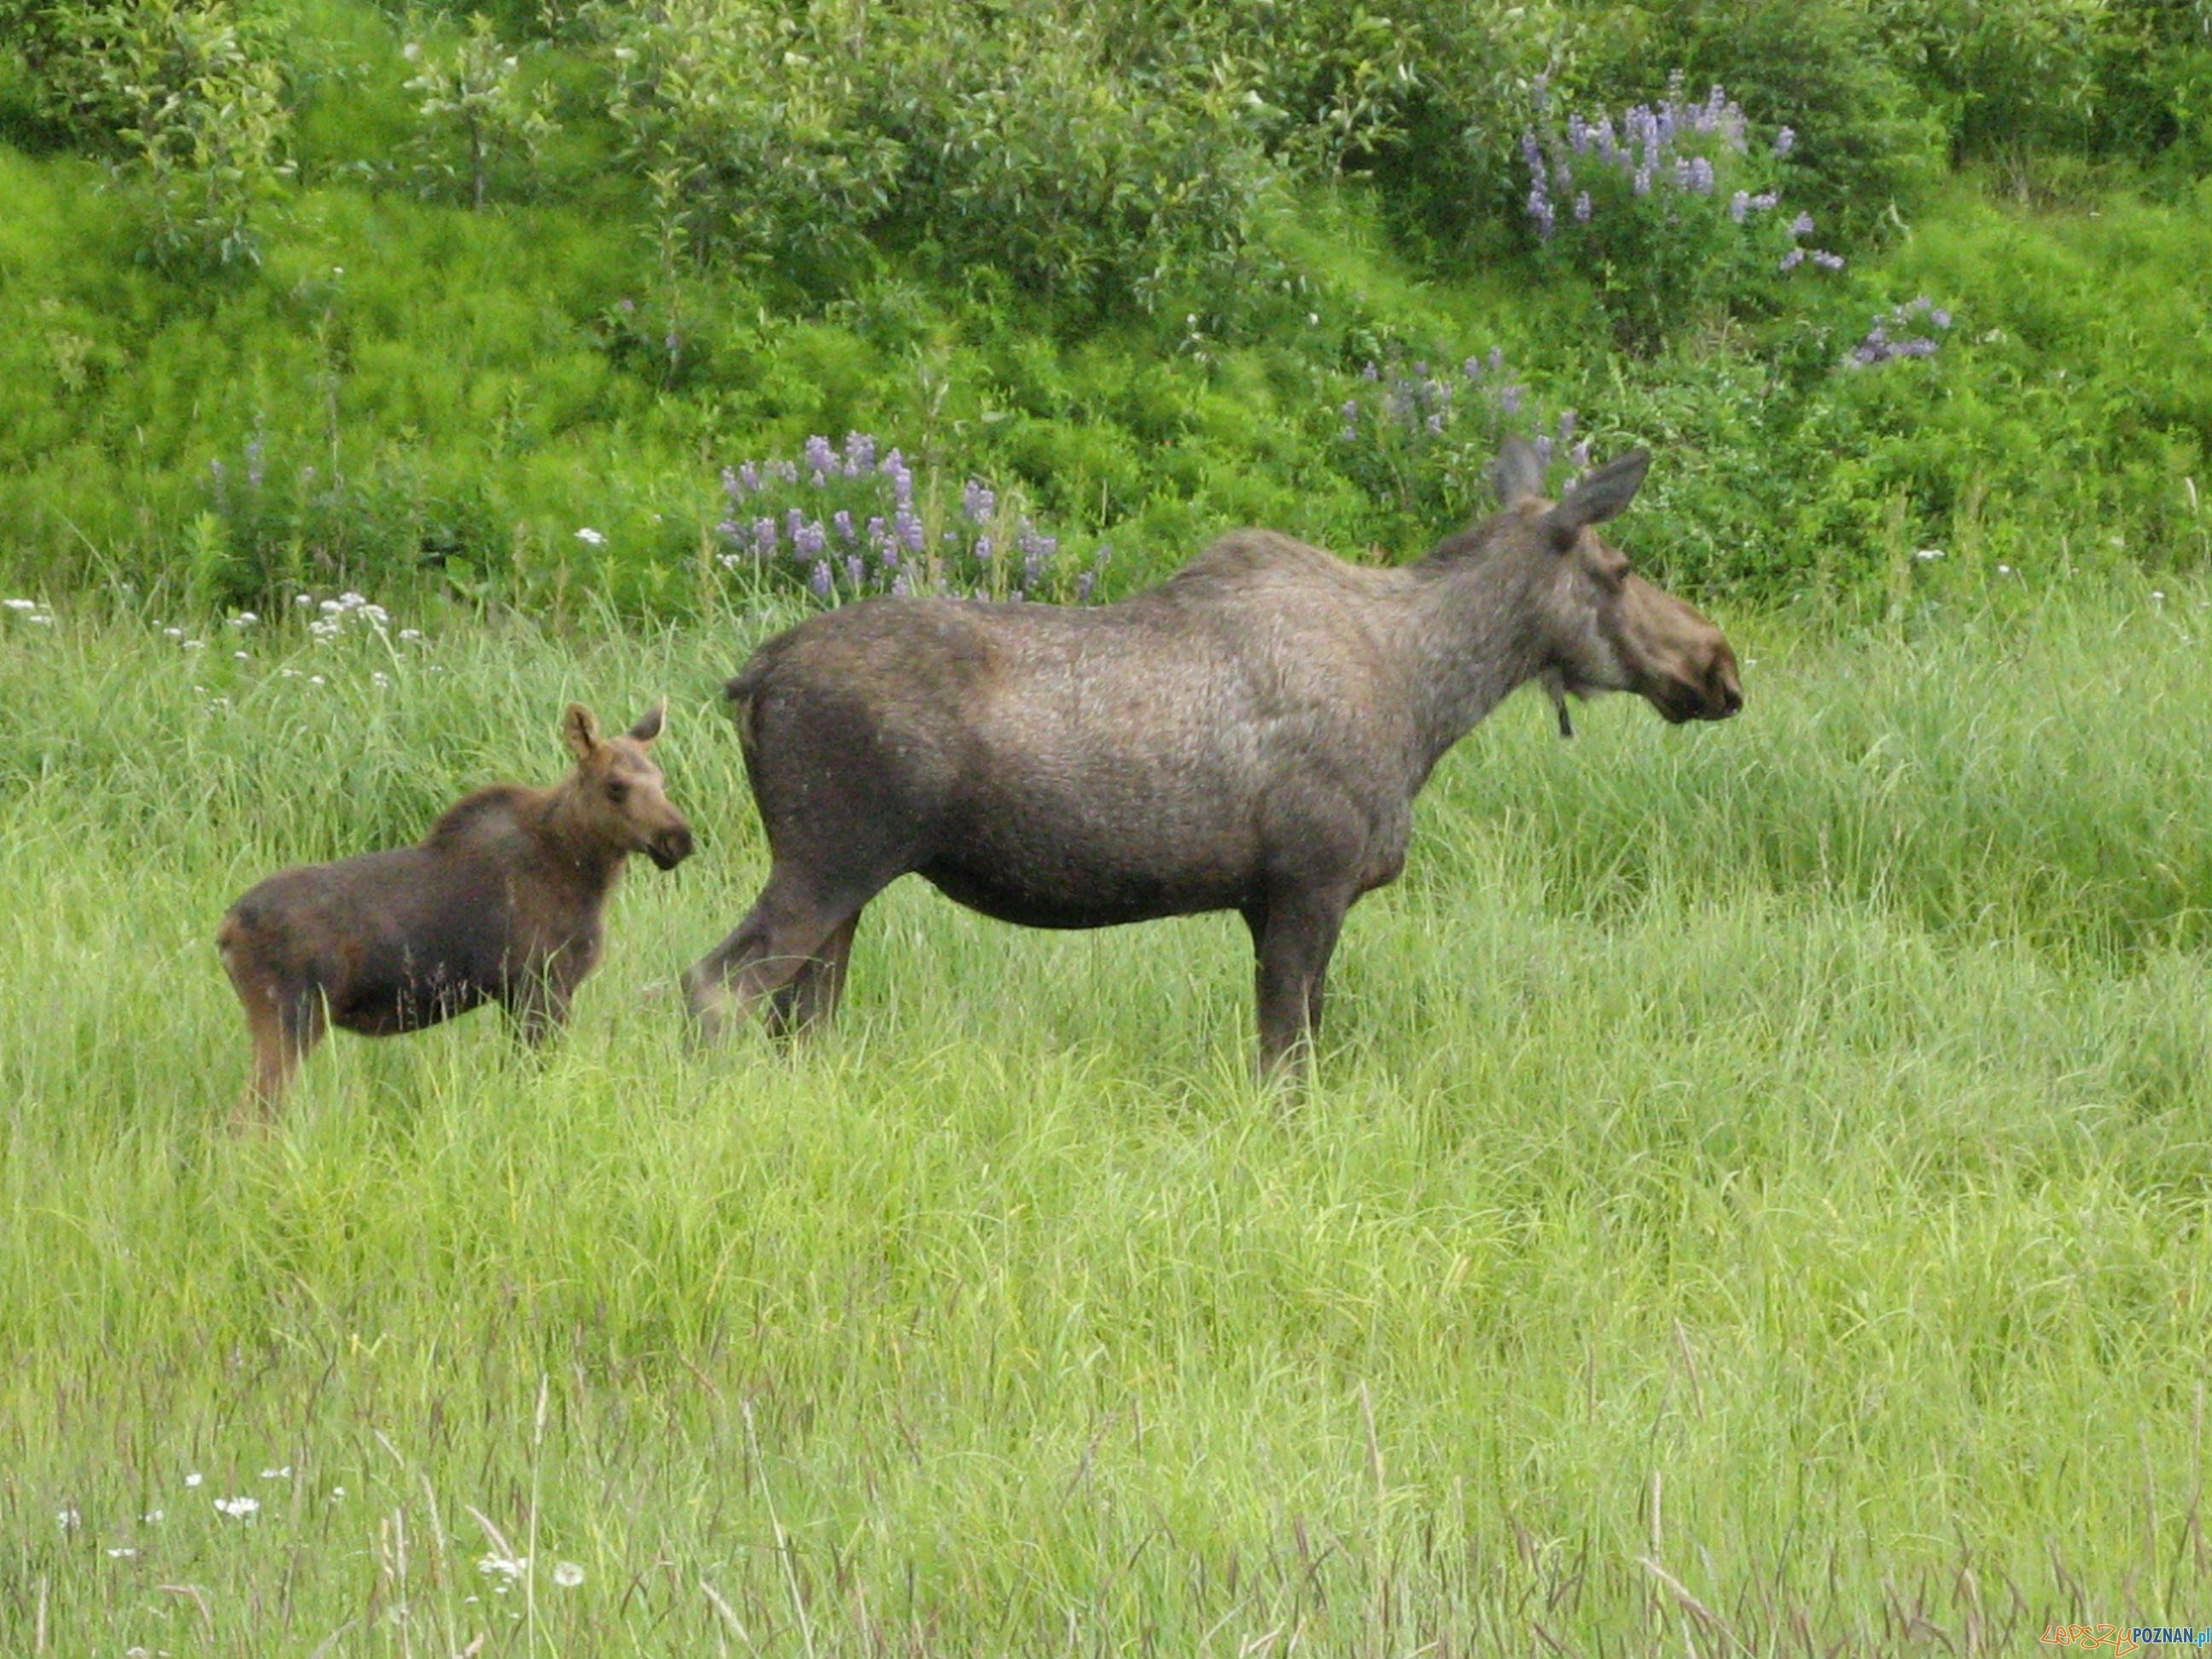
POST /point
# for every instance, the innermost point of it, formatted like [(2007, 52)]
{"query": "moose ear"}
[(581, 731), (1604, 495), (650, 722), (1518, 475)]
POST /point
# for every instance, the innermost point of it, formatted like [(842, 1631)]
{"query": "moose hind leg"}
[(791, 929), (809, 1001)]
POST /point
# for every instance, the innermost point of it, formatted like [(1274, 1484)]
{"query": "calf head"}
[(1603, 628), (620, 796)]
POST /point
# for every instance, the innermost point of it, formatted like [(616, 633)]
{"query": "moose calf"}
[(1248, 736), (499, 903)]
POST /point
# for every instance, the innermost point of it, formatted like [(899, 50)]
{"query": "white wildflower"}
[(505, 1566), (285, 1474), (567, 1575), (69, 1519), (238, 1508), (591, 537), (193, 1479), (1928, 553), (121, 1552)]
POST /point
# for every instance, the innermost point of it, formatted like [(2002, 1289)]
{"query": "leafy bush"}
[(185, 95), (1673, 213), (1832, 71), (476, 110)]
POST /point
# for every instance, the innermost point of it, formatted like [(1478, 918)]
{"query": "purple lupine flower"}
[(1701, 175), (820, 458), (1801, 225), (810, 539), (1540, 209), (784, 471), (856, 572), (1083, 584), (1543, 448), (1369, 372), (1763, 200), (860, 454), (1472, 368), (1826, 260), (899, 585), (254, 462), (1436, 424), (1509, 400), (983, 549), (978, 502), (1581, 207), (731, 487), (1578, 457), (1350, 413), (842, 521), (819, 578), (215, 473), (1566, 425), (792, 521), (764, 536), (1578, 135), (1919, 346), (879, 532), (907, 525), (1784, 142), (1740, 205), (1792, 259), (749, 476), (1642, 181), (1939, 317)]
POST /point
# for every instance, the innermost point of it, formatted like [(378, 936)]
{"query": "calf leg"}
[(793, 930), (1294, 933)]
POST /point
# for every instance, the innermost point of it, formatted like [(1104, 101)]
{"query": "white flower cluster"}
[(31, 611), (335, 613)]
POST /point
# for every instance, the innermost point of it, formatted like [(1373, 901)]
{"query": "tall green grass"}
[(1754, 1197)]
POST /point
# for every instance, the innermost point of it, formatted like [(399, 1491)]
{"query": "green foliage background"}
[(496, 276)]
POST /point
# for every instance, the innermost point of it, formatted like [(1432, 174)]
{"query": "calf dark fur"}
[(1248, 736), (499, 903)]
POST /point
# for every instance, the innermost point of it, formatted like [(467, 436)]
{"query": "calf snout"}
[(669, 847)]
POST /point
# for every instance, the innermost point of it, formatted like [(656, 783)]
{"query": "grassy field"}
[(1755, 1199)]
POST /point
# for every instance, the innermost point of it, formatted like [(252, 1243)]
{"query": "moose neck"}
[(1474, 637), (570, 844)]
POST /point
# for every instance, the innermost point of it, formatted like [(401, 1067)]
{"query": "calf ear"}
[(1518, 475), (1604, 495), (650, 722), (581, 731)]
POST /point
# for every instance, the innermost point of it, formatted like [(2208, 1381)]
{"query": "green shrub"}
[(186, 96), (1673, 214)]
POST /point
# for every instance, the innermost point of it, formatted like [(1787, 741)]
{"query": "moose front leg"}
[(1294, 932)]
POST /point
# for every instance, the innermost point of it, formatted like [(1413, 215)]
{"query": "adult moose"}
[(1248, 736), (499, 903)]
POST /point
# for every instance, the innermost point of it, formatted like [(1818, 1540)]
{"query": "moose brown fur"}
[(499, 903), (1249, 735)]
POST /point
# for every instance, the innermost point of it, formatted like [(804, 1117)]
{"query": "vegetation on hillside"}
[(302, 290)]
